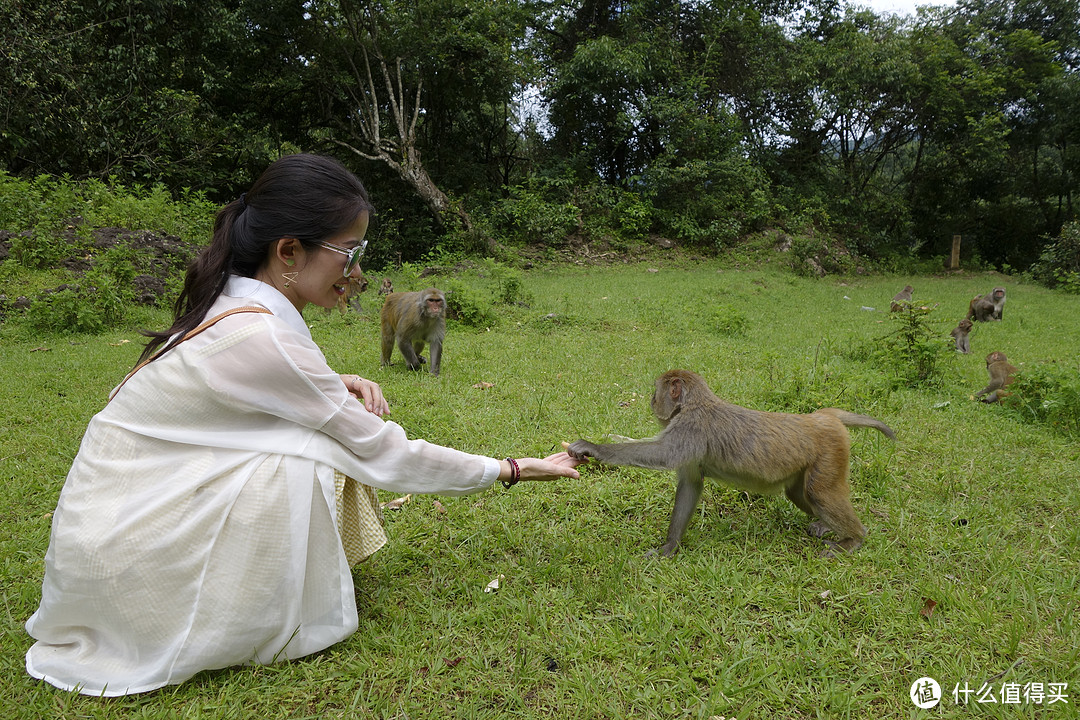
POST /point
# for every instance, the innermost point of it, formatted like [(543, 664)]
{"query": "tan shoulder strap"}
[(195, 331)]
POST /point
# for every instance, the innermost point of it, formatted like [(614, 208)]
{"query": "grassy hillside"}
[(968, 574)]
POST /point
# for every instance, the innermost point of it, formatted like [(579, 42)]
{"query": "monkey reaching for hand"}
[(410, 319), (805, 456)]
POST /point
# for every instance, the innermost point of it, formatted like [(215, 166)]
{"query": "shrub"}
[(466, 305), (1059, 264), (1046, 394), (726, 320), (815, 255), (538, 212), (914, 353)]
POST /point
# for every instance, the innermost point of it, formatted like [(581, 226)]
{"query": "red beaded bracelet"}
[(515, 474)]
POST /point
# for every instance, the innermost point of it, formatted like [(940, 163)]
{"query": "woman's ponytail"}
[(306, 197), (205, 279)]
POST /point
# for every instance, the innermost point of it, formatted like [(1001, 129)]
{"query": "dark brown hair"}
[(307, 197)]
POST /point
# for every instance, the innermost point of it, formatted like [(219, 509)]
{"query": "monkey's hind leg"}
[(827, 494)]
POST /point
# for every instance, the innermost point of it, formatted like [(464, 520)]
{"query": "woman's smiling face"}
[(320, 279)]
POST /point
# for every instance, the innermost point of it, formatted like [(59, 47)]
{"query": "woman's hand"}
[(553, 467), (367, 392)]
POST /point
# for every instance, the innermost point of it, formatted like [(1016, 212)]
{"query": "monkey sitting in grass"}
[(1002, 373), (805, 456)]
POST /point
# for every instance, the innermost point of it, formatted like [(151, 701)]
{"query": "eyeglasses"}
[(352, 257)]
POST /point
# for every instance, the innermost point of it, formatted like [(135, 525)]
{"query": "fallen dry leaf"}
[(439, 507), (928, 607), (483, 385), (494, 584), (118, 344), (396, 503)]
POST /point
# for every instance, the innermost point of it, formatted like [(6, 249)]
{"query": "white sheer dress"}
[(198, 527)]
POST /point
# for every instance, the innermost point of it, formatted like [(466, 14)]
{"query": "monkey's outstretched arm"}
[(658, 453)]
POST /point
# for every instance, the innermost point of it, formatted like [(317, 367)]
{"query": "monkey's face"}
[(434, 305), (999, 293)]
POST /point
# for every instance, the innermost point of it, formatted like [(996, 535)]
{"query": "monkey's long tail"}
[(856, 420)]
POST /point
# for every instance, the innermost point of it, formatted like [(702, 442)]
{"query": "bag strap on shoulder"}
[(195, 331)]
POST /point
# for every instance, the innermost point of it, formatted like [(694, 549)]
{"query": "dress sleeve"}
[(260, 365)]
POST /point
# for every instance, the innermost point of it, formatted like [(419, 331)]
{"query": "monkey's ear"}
[(676, 388)]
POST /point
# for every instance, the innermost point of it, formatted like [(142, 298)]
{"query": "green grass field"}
[(968, 575)]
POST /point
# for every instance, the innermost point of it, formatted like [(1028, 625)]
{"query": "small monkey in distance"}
[(1001, 374), (960, 334), (804, 456), (387, 287), (410, 319), (904, 296), (984, 308)]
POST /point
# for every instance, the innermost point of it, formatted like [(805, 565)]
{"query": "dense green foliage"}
[(971, 508), (600, 122), (73, 259)]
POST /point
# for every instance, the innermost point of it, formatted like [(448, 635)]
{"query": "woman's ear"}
[(288, 250)]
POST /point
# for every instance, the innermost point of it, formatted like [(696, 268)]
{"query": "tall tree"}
[(401, 80), (190, 94)]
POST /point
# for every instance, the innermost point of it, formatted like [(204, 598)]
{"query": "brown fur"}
[(804, 456), (410, 319), (1001, 376), (984, 308), (904, 296), (960, 335), (387, 287), (353, 289)]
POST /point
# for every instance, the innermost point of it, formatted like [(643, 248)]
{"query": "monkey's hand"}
[(581, 449)]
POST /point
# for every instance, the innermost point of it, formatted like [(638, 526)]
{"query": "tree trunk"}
[(399, 150)]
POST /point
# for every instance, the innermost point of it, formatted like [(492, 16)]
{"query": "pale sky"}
[(901, 7)]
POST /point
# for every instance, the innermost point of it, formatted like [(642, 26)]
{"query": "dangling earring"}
[(290, 277)]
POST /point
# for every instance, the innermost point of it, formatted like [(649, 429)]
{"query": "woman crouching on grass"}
[(218, 500)]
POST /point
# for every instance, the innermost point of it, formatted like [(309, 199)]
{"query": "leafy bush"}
[(466, 305), (726, 320), (1047, 394), (914, 353), (1059, 264), (538, 212), (613, 214), (817, 255), (91, 307), (100, 301), (53, 209)]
